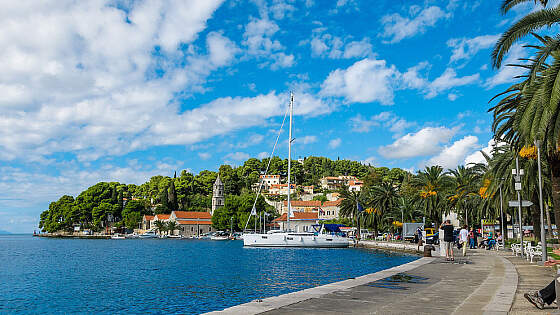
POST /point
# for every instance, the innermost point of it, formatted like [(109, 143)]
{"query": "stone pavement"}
[(531, 277), (482, 283)]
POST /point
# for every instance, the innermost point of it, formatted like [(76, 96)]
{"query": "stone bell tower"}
[(218, 199)]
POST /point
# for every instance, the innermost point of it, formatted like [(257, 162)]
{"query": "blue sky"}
[(124, 90)]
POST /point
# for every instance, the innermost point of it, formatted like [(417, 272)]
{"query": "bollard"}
[(428, 250), (557, 286)]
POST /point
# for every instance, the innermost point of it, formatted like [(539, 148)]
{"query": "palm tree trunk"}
[(548, 220), (554, 164)]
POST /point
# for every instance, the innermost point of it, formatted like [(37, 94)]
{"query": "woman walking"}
[(447, 228)]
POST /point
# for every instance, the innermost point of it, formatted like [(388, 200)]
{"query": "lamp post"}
[(502, 215), (543, 235), (517, 172)]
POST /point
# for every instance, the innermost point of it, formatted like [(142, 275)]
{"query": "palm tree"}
[(172, 226), (432, 184), (525, 26), (349, 205), (465, 188), (160, 226), (384, 200)]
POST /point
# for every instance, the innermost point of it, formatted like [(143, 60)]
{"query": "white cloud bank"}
[(397, 27), (425, 142)]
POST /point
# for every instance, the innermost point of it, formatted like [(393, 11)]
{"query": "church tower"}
[(218, 199)]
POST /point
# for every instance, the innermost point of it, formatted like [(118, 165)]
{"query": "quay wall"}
[(73, 236), (396, 246)]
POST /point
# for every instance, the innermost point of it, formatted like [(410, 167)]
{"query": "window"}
[(289, 238), (192, 229), (329, 239), (265, 237)]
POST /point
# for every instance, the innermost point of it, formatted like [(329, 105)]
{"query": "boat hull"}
[(294, 240)]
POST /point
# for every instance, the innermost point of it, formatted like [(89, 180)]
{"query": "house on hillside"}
[(334, 183), (330, 210), (355, 185)]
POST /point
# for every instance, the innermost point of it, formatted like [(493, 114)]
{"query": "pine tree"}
[(172, 196)]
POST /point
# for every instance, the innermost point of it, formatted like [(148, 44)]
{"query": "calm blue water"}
[(40, 275)]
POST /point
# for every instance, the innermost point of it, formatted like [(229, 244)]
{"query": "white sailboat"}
[(288, 238)]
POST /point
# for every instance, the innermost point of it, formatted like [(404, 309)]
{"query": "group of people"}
[(540, 298), (466, 239)]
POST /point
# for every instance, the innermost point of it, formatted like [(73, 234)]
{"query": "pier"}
[(483, 282)]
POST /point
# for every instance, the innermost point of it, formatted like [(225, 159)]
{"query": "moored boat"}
[(148, 234), (117, 236), (289, 238)]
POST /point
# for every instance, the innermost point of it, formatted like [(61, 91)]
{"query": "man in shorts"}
[(447, 228)]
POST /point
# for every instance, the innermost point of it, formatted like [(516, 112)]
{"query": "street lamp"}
[(517, 176), (502, 214), (543, 236)]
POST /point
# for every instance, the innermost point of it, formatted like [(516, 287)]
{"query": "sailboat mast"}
[(290, 162)]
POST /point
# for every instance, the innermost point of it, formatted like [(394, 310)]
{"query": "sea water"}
[(53, 276)]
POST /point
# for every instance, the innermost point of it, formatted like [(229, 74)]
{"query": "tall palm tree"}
[(525, 26), (432, 184), (348, 205), (383, 199), (465, 187)]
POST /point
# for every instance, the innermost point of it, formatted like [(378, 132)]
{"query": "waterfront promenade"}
[(484, 282)]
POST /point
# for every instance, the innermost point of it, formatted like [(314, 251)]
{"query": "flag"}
[(360, 208), (254, 211)]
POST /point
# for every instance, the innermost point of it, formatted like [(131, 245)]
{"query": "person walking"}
[(464, 238), (447, 228), (471, 238)]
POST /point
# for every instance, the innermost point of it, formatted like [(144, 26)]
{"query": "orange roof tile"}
[(332, 203), (192, 215), (162, 216), (301, 203), (299, 216)]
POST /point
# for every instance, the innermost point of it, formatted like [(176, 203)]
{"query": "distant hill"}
[(4, 232)]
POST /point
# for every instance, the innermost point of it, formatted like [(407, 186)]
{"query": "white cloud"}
[(397, 27), (260, 44), (466, 48), (507, 74), (204, 155), (453, 155), (477, 157), (237, 156), (424, 142), (452, 96), (449, 79), (388, 120), (333, 47), (307, 139), (335, 143), (221, 50), (365, 81), (263, 155)]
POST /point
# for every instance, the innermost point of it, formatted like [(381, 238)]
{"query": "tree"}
[(172, 196), (349, 205), (171, 227), (432, 185), (161, 227)]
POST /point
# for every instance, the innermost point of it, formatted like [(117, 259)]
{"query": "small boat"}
[(132, 235), (117, 236), (220, 236), (162, 236), (148, 234), (174, 236)]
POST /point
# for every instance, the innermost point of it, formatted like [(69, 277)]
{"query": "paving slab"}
[(481, 283)]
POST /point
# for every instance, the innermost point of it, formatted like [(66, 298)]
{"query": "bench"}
[(534, 251)]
